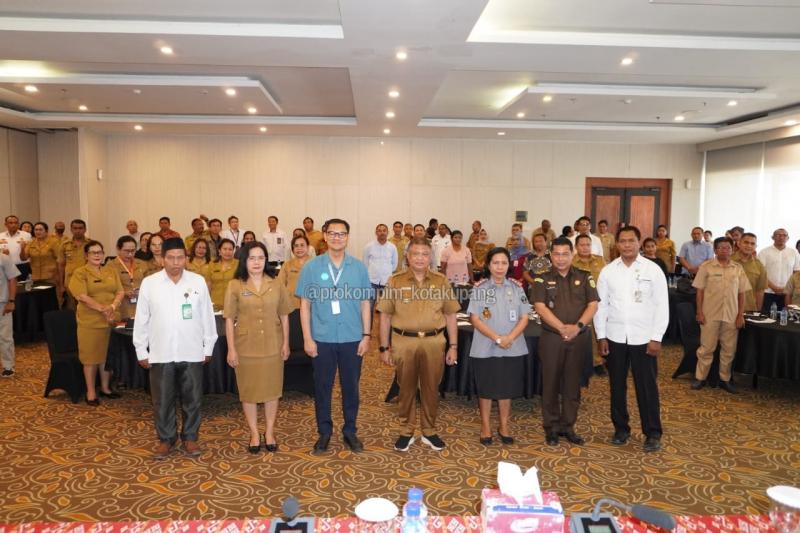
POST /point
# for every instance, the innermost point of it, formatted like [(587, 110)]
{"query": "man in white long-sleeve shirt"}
[(278, 249), (631, 319), (380, 257), (174, 334)]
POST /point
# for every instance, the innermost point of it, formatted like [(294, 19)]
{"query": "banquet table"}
[(769, 350), (30, 307)]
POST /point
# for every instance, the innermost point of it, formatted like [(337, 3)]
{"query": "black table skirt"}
[(673, 334), (769, 350), (460, 378), (29, 308)]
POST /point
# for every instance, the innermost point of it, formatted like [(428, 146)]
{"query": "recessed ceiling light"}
[(394, 93), (382, 143), (387, 131), (627, 101), (547, 98), (520, 115), (390, 114), (31, 89), (790, 122), (626, 61), (138, 127), (732, 103), (230, 91), (401, 55), (83, 108), (262, 129), (167, 50), (501, 133), (137, 91), (252, 110), (679, 118)]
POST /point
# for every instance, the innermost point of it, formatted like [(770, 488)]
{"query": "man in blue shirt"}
[(334, 291), (695, 252)]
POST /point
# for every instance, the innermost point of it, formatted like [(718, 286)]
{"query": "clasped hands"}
[(569, 331)]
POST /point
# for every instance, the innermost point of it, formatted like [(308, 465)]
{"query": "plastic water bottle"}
[(415, 514), (784, 317), (773, 311)]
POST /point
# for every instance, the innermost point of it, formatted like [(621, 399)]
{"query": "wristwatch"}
[(581, 325), (383, 349), (497, 341)]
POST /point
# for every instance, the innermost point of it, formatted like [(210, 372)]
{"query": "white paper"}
[(516, 485)]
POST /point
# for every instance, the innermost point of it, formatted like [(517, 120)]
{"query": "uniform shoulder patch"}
[(538, 280), (481, 282), (516, 282)]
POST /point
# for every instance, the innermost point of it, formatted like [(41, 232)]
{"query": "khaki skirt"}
[(259, 379), (93, 345)]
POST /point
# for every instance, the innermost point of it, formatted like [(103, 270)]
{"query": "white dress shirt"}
[(779, 264), (160, 324), (11, 246), (381, 261), (235, 236), (438, 244), (277, 245), (621, 316), (597, 244)]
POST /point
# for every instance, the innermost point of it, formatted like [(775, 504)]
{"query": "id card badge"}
[(133, 299), (335, 309), (637, 296), (512, 315), (186, 310)]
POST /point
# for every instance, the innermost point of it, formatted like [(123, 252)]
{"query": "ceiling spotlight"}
[(137, 91), (732, 103), (387, 131), (626, 61), (394, 93), (138, 127), (167, 50), (262, 129), (520, 115), (547, 98), (791, 122), (83, 108), (31, 89), (230, 91), (390, 114), (252, 110), (679, 118), (627, 101), (501, 133), (402, 55), (382, 143)]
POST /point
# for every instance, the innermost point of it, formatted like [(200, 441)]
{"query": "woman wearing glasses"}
[(131, 271), (98, 291)]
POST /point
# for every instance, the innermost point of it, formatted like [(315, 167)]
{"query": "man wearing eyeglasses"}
[(334, 291)]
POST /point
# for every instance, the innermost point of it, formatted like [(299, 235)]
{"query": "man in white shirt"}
[(233, 232), (439, 242), (780, 261), (276, 243), (380, 257), (631, 319), (174, 333), (11, 243), (583, 226)]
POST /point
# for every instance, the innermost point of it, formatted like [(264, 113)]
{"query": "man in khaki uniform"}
[(474, 236), (546, 230), (754, 270), (71, 257), (607, 239), (315, 238), (400, 242), (721, 285), (593, 264), (198, 232), (516, 231), (415, 307)]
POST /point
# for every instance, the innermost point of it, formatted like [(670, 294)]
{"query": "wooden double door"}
[(637, 202)]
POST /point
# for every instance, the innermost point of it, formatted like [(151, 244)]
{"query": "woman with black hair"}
[(221, 272)]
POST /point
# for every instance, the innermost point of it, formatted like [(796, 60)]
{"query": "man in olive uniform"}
[(400, 242), (415, 307), (566, 299), (608, 241), (754, 270), (546, 230), (721, 285), (315, 237), (585, 260), (71, 256), (198, 232)]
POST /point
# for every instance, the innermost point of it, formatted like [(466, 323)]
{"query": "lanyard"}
[(335, 279), (235, 237), (130, 274)]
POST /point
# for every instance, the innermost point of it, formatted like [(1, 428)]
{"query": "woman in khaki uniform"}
[(131, 272), (257, 328), (42, 252), (98, 291), (480, 248), (665, 248), (198, 260), (154, 262), (290, 271), (221, 272)]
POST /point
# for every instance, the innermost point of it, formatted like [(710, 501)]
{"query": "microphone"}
[(644, 513)]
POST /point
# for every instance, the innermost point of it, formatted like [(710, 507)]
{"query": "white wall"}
[(19, 179), (59, 183), (94, 191)]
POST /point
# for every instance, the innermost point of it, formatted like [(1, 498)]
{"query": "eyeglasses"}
[(258, 258), (336, 234), (96, 252)]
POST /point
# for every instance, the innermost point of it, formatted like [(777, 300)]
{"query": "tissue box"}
[(502, 514)]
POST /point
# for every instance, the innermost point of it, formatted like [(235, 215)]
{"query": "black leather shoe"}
[(573, 437), (505, 439), (111, 395), (271, 448), (93, 403), (352, 442), (652, 444), (620, 438), (254, 449), (600, 371), (727, 386), (321, 446), (486, 441), (551, 439), (698, 384)]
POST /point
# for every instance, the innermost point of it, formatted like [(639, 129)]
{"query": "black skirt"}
[(499, 378)]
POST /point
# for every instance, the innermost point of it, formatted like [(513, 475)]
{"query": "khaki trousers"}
[(711, 333), (419, 363)]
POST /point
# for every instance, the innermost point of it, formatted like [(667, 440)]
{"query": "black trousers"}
[(778, 299), (621, 357), (562, 364), (168, 382)]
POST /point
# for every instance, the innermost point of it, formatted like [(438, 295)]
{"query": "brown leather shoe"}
[(163, 450), (191, 448)]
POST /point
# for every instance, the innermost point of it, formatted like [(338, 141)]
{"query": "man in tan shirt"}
[(754, 270), (721, 285), (71, 256), (474, 236), (546, 230), (315, 238), (415, 308), (516, 231), (607, 239), (593, 264), (400, 242)]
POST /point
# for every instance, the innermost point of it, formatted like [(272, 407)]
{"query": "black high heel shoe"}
[(257, 448), (272, 448), (505, 439)]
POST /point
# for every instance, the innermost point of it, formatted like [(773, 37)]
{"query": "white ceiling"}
[(324, 67)]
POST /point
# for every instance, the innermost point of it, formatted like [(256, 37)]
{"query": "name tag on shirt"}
[(335, 309), (186, 311), (512, 315)]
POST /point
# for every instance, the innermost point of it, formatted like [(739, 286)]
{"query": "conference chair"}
[(297, 372), (66, 371)]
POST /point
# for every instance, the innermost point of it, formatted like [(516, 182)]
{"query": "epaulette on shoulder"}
[(517, 282), (481, 282)]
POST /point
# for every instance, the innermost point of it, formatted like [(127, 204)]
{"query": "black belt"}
[(420, 334)]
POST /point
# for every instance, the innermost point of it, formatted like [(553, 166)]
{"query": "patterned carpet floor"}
[(65, 462)]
